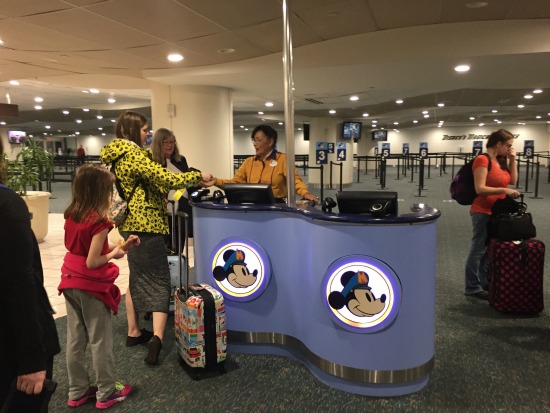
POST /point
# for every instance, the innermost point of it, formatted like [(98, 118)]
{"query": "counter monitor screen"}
[(380, 135), (351, 130), (256, 194), (377, 204)]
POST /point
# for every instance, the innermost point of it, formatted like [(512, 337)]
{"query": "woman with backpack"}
[(491, 183)]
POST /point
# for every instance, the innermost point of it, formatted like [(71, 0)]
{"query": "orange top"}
[(496, 178)]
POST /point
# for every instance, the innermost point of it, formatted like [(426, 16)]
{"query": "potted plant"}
[(31, 166)]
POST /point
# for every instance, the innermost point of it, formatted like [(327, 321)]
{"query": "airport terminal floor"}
[(485, 361)]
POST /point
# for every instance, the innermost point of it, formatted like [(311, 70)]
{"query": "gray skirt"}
[(149, 273)]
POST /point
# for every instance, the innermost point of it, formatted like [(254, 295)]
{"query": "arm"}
[(95, 259), (301, 188), (480, 177)]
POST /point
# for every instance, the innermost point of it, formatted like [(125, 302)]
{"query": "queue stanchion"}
[(398, 168), (321, 179), (376, 167), (429, 167), (383, 173), (536, 183), (518, 161), (412, 170), (341, 178), (420, 177), (527, 167), (358, 169)]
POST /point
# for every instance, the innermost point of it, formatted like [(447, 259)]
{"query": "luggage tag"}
[(178, 194)]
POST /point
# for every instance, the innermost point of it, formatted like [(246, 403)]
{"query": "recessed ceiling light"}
[(14, 82), (38, 107), (103, 134), (95, 91), (374, 121), (111, 100), (537, 91), (426, 116), (472, 118), (538, 117), (396, 123), (2, 123), (521, 106), (332, 111), (365, 115), (481, 124), (260, 113), (78, 121), (415, 121), (476, 4), (494, 111), (242, 126), (99, 128), (226, 51), (77, 133), (281, 123), (528, 96), (38, 99), (269, 104), (85, 91), (441, 105), (399, 101), (174, 57), (99, 117), (424, 112), (65, 112), (354, 98), (86, 110), (462, 68), (113, 120), (47, 126)]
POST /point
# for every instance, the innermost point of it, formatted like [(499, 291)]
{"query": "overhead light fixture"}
[(99, 128), (424, 112), (494, 111), (65, 112), (365, 115), (242, 126), (77, 133), (415, 121), (441, 105), (332, 111), (95, 91), (269, 104), (2, 123), (38, 107), (426, 116), (113, 120), (111, 100), (281, 123), (472, 118), (47, 126), (399, 101), (174, 57), (462, 68), (1, 41), (537, 91), (521, 106), (78, 121), (481, 124), (260, 113), (374, 121), (99, 117), (14, 83), (38, 99), (538, 117), (354, 98), (396, 123), (86, 110), (528, 96)]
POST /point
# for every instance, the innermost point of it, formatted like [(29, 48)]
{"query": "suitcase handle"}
[(182, 215)]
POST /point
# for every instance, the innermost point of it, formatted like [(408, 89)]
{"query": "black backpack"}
[(463, 189)]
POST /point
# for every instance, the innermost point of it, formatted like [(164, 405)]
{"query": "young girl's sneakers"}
[(90, 394), (119, 394)]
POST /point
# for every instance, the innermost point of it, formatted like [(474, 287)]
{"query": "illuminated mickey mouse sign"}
[(240, 268), (362, 294)]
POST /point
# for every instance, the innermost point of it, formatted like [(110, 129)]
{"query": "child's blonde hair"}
[(92, 193)]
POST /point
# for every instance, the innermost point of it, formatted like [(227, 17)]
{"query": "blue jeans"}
[(476, 264)]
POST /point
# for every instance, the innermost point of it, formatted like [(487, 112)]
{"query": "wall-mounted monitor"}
[(17, 136), (351, 130), (237, 193), (380, 135)]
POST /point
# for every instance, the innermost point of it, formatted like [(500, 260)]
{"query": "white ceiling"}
[(379, 50)]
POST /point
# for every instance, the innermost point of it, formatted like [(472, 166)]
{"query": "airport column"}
[(329, 130), (201, 117)]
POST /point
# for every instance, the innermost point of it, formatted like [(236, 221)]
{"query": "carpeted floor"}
[(484, 362)]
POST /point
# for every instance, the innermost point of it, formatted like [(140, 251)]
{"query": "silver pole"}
[(289, 107)]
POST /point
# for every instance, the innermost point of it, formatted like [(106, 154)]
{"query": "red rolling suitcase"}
[(515, 276), (199, 317)]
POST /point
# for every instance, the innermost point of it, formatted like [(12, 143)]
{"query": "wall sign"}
[(321, 153), (423, 150), (361, 293), (241, 269), (385, 150), (341, 151), (405, 149), (529, 149), (477, 148)]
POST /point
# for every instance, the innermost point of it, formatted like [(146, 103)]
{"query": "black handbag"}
[(510, 222)]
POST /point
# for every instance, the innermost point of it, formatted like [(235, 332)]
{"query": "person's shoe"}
[(119, 394), (144, 338), (90, 394), (481, 295), (154, 346)]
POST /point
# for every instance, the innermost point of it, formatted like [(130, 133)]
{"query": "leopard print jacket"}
[(147, 208)]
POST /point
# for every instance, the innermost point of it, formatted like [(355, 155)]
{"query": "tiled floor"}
[(52, 250)]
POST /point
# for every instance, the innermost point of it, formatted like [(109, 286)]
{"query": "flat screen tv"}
[(377, 204), (380, 135), (17, 136), (351, 130), (256, 194)]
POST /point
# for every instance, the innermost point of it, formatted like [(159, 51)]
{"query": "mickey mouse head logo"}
[(357, 296), (235, 270)]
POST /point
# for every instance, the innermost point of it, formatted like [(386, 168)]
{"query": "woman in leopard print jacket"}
[(149, 287)]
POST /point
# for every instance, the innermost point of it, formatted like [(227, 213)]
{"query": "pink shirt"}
[(496, 178)]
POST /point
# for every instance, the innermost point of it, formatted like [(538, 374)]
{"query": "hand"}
[(132, 241), (512, 152), (31, 383), (207, 180), (118, 251), (512, 193), (311, 198)]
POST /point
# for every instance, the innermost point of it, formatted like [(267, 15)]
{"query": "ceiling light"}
[(354, 98), (396, 123), (78, 121), (462, 68), (175, 57), (99, 128), (111, 100), (494, 111), (538, 117), (1, 41), (38, 107), (86, 110), (260, 113), (481, 124), (242, 126), (226, 51), (281, 123), (332, 111), (103, 134), (2, 123), (47, 126), (99, 117), (537, 91), (441, 105), (65, 112), (95, 91), (14, 82), (269, 104), (415, 121), (77, 133), (472, 118), (365, 115), (521, 106), (374, 121), (424, 112), (38, 99), (426, 116), (528, 96), (399, 101), (113, 120), (85, 91), (476, 4), (495, 120)]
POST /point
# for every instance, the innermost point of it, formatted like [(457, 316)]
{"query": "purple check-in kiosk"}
[(350, 296)]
